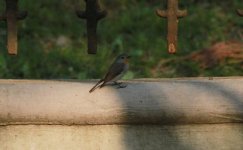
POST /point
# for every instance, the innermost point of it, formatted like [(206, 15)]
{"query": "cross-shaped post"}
[(11, 15), (92, 14), (172, 13), (240, 12)]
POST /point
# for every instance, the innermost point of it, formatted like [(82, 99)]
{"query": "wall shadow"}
[(150, 135), (147, 134)]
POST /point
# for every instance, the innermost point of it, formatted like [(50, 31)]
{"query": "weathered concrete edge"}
[(198, 100)]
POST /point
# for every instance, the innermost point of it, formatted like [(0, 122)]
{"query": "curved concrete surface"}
[(175, 101)]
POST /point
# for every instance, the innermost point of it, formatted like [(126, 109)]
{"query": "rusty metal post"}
[(172, 13), (92, 14), (240, 12), (11, 15)]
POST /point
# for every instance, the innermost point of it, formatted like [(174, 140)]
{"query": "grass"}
[(52, 40)]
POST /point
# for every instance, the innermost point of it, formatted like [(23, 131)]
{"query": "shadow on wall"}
[(147, 136), (170, 135)]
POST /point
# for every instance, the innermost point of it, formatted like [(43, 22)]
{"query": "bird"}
[(116, 71)]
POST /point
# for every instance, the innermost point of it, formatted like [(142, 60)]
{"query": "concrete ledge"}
[(175, 101), (122, 137)]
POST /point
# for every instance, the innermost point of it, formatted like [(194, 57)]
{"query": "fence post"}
[(240, 12), (92, 14), (172, 13), (11, 15)]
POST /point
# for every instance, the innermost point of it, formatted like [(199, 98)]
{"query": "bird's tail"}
[(102, 85), (95, 86)]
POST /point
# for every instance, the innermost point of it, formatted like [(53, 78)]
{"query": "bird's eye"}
[(122, 57)]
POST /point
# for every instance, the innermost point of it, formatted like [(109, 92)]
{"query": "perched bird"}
[(115, 72)]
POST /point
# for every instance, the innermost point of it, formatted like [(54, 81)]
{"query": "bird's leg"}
[(116, 83), (119, 84)]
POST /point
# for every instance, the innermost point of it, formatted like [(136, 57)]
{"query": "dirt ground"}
[(221, 53)]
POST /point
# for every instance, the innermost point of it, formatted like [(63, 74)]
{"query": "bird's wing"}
[(115, 70)]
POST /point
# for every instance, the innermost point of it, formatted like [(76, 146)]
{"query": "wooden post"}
[(240, 12), (92, 14), (11, 15), (172, 13)]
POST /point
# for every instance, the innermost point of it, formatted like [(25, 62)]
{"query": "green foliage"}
[(52, 40)]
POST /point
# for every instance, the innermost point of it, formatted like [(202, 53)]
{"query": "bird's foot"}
[(116, 83), (119, 85)]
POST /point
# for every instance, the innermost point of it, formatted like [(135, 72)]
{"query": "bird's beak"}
[(128, 57)]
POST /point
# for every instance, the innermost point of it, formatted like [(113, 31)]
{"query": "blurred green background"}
[(52, 39)]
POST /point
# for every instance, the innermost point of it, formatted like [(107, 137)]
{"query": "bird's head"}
[(122, 58)]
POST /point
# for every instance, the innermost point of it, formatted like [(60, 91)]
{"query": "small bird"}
[(115, 72)]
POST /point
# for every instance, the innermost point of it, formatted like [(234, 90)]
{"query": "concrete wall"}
[(148, 114), (122, 137)]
